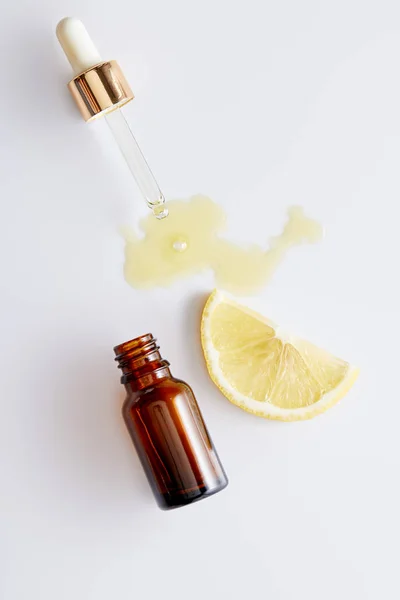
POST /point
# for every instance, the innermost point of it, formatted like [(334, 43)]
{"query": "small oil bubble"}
[(180, 245)]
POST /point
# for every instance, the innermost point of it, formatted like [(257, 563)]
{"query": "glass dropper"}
[(100, 89), (137, 163)]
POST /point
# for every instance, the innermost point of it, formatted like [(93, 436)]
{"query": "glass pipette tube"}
[(137, 163)]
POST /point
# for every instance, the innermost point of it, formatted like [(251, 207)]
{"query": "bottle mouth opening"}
[(136, 346)]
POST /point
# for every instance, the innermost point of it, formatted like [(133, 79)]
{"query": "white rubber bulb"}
[(77, 44)]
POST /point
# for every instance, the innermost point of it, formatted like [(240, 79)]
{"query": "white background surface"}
[(260, 105)]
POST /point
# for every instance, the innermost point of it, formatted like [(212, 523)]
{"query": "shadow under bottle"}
[(167, 428)]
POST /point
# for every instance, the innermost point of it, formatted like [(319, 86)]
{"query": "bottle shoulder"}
[(164, 390)]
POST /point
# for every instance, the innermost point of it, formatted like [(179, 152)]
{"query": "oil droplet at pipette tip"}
[(160, 211)]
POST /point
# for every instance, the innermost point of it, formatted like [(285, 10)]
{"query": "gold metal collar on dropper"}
[(99, 88)]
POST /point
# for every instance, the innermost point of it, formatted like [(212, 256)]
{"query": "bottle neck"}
[(141, 363)]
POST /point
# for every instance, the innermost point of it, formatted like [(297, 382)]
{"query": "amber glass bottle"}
[(166, 427)]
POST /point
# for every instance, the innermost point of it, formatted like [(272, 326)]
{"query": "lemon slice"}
[(267, 373)]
